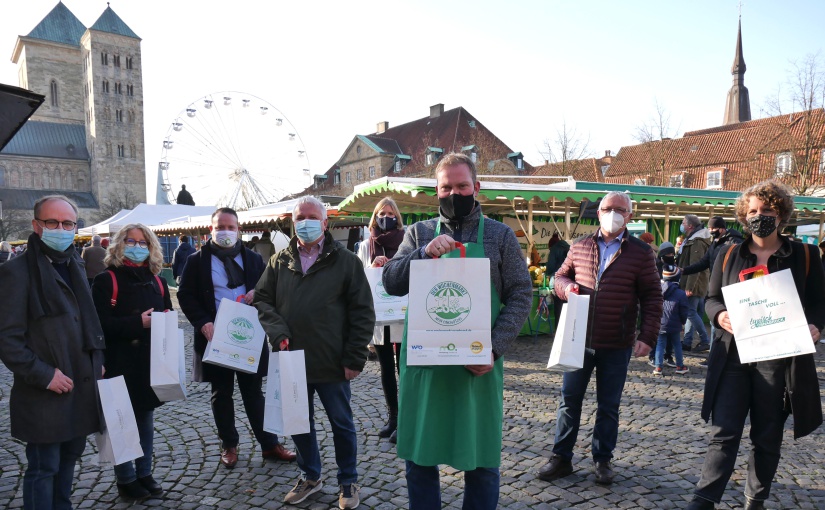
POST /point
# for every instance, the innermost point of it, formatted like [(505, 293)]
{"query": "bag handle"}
[(113, 301), (461, 249)]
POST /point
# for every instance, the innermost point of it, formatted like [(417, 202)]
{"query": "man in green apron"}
[(453, 414)]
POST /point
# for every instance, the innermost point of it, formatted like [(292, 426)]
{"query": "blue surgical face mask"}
[(57, 239), (682, 228), (136, 254), (308, 230)]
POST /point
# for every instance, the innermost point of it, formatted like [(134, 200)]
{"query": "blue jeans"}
[(611, 373), (696, 307), (481, 487), (335, 397), (47, 482), (142, 466), (672, 340), (757, 389)]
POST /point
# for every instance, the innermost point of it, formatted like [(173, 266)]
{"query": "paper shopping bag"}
[(119, 442), (388, 308), (238, 338), (449, 312), (167, 366), (567, 353), (287, 404), (767, 318)]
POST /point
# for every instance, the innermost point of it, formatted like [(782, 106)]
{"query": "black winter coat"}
[(182, 253), (801, 384), (675, 309), (127, 341)]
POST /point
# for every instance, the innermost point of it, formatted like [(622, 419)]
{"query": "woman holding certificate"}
[(768, 390)]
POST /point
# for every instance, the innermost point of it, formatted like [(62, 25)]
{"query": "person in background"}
[(696, 244), (182, 253), (104, 243), (184, 197), (225, 268), (51, 340), (252, 242), (647, 237), (765, 391), (666, 256), (674, 315), (386, 234), (679, 241), (125, 295), (264, 247), (555, 258), (93, 257), (6, 252)]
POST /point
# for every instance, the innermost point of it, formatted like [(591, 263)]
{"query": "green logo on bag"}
[(448, 303), (381, 292), (240, 330)]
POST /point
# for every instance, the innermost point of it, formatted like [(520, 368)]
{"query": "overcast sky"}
[(336, 68)]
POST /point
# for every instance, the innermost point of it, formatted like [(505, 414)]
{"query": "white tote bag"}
[(167, 367), (388, 309), (287, 404), (567, 353), (767, 318), (119, 442), (238, 339)]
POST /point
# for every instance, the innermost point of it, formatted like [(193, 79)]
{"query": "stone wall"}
[(40, 63)]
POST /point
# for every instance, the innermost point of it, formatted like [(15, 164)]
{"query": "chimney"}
[(436, 110), (381, 127), (607, 153)]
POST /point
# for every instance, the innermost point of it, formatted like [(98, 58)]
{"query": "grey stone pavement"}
[(662, 442)]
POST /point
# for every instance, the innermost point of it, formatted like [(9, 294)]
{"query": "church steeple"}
[(738, 107)]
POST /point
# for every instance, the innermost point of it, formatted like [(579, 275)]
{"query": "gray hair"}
[(309, 199), (692, 220), (95, 240), (39, 204), (622, 194)]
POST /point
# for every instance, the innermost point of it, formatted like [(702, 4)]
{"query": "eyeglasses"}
[(131, 242), (620, 210), (53, 224)]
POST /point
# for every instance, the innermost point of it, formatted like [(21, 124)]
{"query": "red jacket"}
[(629, 284)]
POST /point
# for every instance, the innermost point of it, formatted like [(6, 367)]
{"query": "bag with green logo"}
[(238, 339)]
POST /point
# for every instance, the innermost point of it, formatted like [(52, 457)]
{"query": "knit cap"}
[(670, 273)]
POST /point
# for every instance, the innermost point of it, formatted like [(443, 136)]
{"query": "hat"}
[(666, 248), (646, 237), (670, 273), (717, 222), (104, 243)]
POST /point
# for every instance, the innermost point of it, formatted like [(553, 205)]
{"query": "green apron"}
[(447, 415)]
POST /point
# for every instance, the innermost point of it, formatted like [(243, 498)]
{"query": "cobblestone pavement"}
[(662, 441)]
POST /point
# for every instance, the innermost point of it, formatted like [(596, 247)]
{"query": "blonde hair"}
[(5, 246), (114, 255), (380, 205)]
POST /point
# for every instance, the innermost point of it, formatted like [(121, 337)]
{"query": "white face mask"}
[(611, 222), (226, 238)]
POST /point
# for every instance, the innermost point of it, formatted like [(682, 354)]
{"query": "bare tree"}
[(567, 146), (654, 133), (123, 198), (15, 224)]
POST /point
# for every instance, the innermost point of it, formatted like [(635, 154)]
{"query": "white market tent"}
[(146, 214)]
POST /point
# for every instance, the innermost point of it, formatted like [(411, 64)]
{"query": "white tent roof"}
[(148, 215)]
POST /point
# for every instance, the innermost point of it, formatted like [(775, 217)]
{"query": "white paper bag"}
[(567, 353), (388, 309), (449, 312), (238, 339), (167, 367), (119, 442), (287, 404), (767, 318)]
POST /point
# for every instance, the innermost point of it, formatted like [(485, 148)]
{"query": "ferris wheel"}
[(232, 149)]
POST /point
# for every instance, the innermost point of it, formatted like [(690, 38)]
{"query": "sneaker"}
[(703, 363), (686, 347), (651, 362), (681, 370), (669, 362), (701, 348), (657, 371), (348, 496), (302, 491)]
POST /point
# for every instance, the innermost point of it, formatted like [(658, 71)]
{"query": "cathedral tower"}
[(738, 106)]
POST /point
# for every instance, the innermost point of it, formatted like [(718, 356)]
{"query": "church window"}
[(119, 115), (104, 58), (116, 60), (132, 151), (14, 179), (2, 176), (128, 62), (131, 117), (130, 90), (104, 86), (784, 164), (118, 90), (108, 148), (45, 179), (53, 88), (107, 113), (121, 151)]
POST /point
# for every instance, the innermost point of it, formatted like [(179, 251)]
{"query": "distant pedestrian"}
[(6, 252), (93, 256), (696, 244), (264, 247), (674, 315), (182, 253), (184, 197)]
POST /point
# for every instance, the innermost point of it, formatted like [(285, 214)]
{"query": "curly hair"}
[(380, 205), (114, 255), (774, 194)]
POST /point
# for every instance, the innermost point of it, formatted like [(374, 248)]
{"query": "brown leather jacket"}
[(629, 285)]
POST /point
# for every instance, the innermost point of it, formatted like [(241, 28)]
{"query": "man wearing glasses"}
[(50, 338), (618, 272)]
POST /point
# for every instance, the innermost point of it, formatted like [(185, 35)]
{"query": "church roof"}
[(49, 140), (111, 23), (60, 26)]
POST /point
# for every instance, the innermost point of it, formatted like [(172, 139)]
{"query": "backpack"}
[(113, 301)]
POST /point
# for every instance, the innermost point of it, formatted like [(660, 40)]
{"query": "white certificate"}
[(388, 309)]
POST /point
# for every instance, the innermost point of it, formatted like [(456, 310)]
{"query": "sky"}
[(523, 68)]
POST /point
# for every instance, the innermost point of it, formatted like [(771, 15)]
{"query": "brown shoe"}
[(229, 457), (279, 453), (604, 473), (557, 467)]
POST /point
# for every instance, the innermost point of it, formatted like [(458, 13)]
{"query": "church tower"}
[(113, 87), (738, 106)]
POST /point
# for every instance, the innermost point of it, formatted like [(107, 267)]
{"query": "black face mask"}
[(715, 234), (455, 206), (386, 223), (761, 225), (669, 260)]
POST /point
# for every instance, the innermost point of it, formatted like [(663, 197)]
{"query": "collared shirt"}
[(220, 281), (309, 254), (607, 251)]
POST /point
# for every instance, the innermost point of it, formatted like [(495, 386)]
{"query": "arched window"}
[(54, 93), (46, 180), (2, 176)]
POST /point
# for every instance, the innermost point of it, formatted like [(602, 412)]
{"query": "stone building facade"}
[(86, 140)]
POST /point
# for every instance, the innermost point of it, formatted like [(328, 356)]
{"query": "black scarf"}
[(387, 241), (234, 272), (46, 298)]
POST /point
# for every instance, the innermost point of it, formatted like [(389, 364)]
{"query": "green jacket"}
[(327, 313), (692, 251)]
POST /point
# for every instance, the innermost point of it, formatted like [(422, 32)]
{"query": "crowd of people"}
[(77, 317)]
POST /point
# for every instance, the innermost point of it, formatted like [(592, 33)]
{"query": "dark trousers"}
[(47, 482), (388, 361), (758, 389), (481, 488), (223, 407)]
